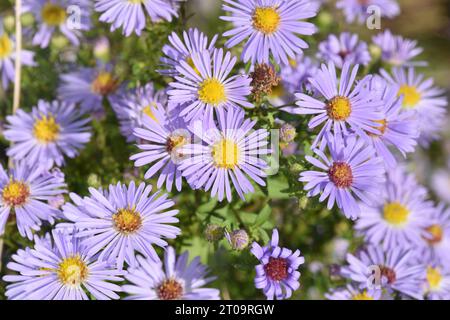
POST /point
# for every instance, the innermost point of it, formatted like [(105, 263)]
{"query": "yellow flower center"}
[(127, 221), (72, 271), (292, 62), (436, 233), (381, 129), (46, 130), (212, 92), (395, 213), (339, 108), (434, 277), (362, 296), (104, 84), (225, 154), (15, 193), (278, 91), (175, 141), (411, 96), (136, 1), (53, 14), (6, 46), (148, 111), (266, 20), (170, 290)]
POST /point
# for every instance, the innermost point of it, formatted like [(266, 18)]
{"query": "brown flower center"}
[(276, 269), (341, 174), (389, 274), (170, 289)]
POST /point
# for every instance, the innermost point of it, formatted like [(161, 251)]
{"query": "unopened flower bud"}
[(102, 49), (375, 51), (303, 202), (9, 23), (287, 133), (238, 239)]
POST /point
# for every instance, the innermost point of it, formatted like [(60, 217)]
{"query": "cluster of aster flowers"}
[(199, 130)]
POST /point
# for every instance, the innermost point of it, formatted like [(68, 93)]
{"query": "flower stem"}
[(17, 83)]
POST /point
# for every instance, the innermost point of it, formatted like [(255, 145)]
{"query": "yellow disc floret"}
[(6, 46), (436, 234), (382, 128), (46, 129), (339, 108), (266, 20), (15, 193), (104, 83), (72, 271), (411, 96), (362, 296), (226, 154), (395, 213), (53, 14), (434, 277), (211, 91), (127, 221), (149, 112)]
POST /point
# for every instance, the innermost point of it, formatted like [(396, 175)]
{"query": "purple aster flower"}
[(179, 49), (123, 221), (271, 27), (172, 279), (206, 87), (344, 48), (343, 107), (53, 15), (49, 132), (359, 10), (23, 192), (350, 292), (398, 127), (62, 270), (88, 87), (351, 171), (420, 95), (398, 216), (436, 235), (130, 14), (396, 50), (393, 270), (277, 274), (437, 282), (295, 75), (161, 140), (8, 57), (133, 106), (229, 151)]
